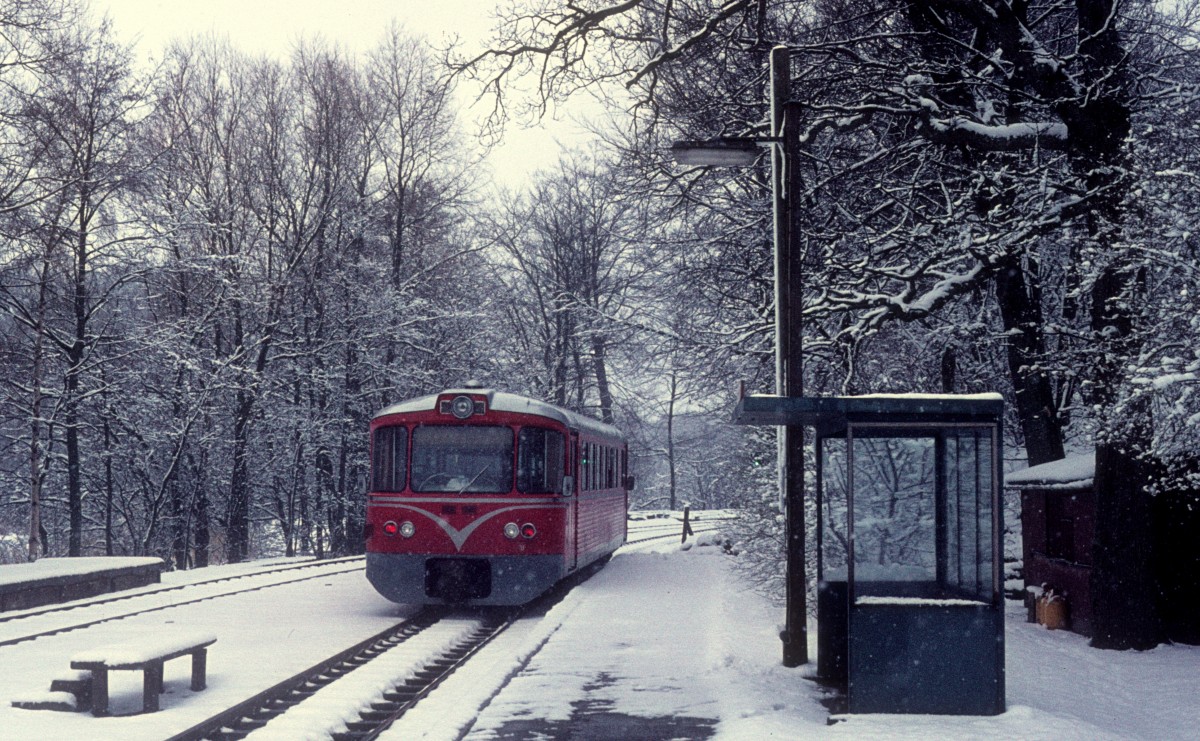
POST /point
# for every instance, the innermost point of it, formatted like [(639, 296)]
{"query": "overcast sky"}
[(272, 26)]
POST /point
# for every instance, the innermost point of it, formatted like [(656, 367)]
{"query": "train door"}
[(571, 487)]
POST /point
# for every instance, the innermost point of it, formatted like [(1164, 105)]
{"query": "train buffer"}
[(148, 656)]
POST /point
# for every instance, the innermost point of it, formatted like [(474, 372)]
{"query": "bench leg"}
[(100, 691), (199, 668), (152, 685)]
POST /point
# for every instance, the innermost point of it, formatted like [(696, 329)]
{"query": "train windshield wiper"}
[(475, 478)]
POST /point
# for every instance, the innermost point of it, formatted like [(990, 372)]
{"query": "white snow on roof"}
[(989, 396), (1072, 472), (919, 601), (501, 401)]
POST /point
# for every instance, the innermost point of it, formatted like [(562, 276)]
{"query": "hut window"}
[(1060, 528)]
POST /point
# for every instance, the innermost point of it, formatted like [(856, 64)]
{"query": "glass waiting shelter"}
[(910, 606)]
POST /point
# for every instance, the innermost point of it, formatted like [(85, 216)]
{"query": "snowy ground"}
[(661, 643), (263, 637), (668, 644)]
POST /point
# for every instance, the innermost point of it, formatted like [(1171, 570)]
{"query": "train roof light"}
[(462, 407)]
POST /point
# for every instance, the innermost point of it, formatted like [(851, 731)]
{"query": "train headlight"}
[(512, 531), (390, 528), (407, 529), (528, 530), (462, 407)]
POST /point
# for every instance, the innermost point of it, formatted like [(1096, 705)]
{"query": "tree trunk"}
[(109, 486), (599, 367), (1019, 299), (74, 474), (347, 469), (36, 467), (179, 525), (949, 369), (671, 441), (200, 534), (237, 530), (1124, 608), (1124, 594)]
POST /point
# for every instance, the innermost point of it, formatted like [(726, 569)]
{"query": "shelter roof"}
[(830, 413)]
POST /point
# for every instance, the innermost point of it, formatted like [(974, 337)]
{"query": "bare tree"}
[(570, 244), (83, 119)]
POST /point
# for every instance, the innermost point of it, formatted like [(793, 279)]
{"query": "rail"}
[(238, 721), (376, 715)]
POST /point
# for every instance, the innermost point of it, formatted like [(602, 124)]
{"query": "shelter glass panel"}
[(833, 501), (969, 512), (895, 510)]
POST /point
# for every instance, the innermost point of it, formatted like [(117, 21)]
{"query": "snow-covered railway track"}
[(405, 663), (30, 625), (379, 679), (160, 589), (675, 533)]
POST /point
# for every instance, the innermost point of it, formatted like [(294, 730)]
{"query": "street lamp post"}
[(784, 143)]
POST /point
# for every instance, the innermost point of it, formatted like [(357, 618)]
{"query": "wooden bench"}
[(148, 656)]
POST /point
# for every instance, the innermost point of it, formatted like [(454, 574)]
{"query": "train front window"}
[(540, 461), (462, 459), (389, 450)]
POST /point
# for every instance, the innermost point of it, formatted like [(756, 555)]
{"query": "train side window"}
[(603, 467), (583, 466), (390, 460), (539, 460)]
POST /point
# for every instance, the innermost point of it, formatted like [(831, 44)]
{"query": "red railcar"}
[(487, 498)]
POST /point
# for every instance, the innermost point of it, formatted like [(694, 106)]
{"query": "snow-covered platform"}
[(53, 580), (665, 643)]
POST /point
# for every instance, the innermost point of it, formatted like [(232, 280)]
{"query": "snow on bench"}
[(148, 655)]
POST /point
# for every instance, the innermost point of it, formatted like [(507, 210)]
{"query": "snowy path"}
[(670, 645)]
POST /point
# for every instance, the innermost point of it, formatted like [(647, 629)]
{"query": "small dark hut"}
[(1058, 506)]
